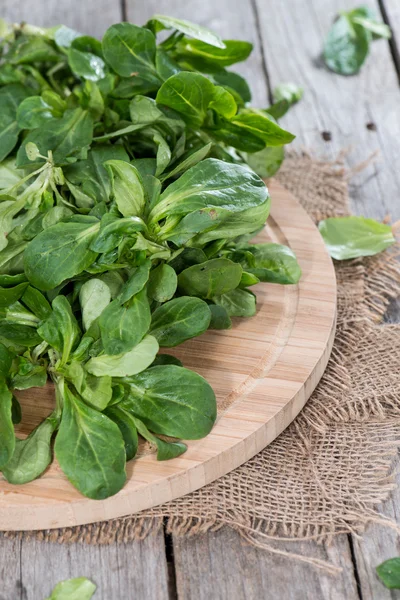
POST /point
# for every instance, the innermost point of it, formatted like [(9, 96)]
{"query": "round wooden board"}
[(264, 369)]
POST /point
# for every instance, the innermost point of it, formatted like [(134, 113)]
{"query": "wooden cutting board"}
[(263, 371)]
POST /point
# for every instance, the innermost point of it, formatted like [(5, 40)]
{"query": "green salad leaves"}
[(130, 189)]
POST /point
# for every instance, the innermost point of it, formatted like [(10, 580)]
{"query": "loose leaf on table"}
[(124, 365), (346, 46), (211, 278), (389, 573), (160, 22), (189, 94), (32, 455), (172, 401), (7, 437), (273, 263), (179, 320), (350, 237), (127, 427), (94, 297), (165, 450), (162, 283), (238, 303), (123, 326), (90, 449), (79, 588), (60, 252)]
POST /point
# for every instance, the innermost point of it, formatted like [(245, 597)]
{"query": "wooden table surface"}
[(287, 37)]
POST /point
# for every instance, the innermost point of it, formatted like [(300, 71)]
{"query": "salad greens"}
[(348, 41), (129, 191)]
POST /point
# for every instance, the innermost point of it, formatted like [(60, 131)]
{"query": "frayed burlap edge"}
[(328, 471)]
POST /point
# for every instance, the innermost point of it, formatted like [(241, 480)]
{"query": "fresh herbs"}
[(348, 41), (351, 237), (126, 209)]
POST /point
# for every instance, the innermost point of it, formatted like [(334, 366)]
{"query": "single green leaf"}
[(220, 318), (32, 455), (79, 588), (188, 161), (223, 102), (136, 282), (86, 65), (238, 303), (10, 295), (94, 297), (64, 36), (189, 94), (28, 375), (127, 188), (16, 411), (211, 278), (389, 573), (126, 364), (10, 97), (172, 401), (166, 359), (90, 449), (61, 330), (346, 46), (350, 237), (235, 51), (123, 326), (237, 137), (60, 252), (6, 358), (7, 437), (165, 450), (259, 124), (33, 112), (233, 81), (179, 320), (162, 283), (288, 91), (274, 263), (378, 29), (36, 302), (266, 162), (20, 335), (127, 427), (191, 29)]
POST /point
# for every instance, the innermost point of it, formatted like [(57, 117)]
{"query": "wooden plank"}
[(30, 569), (222, 565), (91, 16), (390, 10), (293, 34)]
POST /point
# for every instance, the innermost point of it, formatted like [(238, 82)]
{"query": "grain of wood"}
[(222, 565), (391, 13), (90, 16), (293, 34), (30, 569)]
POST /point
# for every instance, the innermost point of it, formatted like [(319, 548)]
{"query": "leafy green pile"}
[(348, 42), (126, 210)]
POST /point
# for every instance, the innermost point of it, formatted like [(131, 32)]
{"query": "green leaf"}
[(127, 188), (29, 375), (33, 112), (90, 449), (350, 237), (60, 252), (10, 295), (378, 29), (223, 102), (127, 364), (189, 94), (179, 320), (191, 29), (79, 588), (258, 124), (36, 302), (235, 51), (346, 46), (274, 263), (136, 282), (288, 91), (237, 137), (61, 330), (172, 401), (32, 455), (188, 161), (7, 437), (162, 283), (94, 297), (166, 359), (16, 411), (238, 303), (113, 230), (65, 137), (219, 317), (86, 65), (20, 335), (233, 81), (211, 278), (389, 573), (10, 97), (131, 51), (123, 326), (6, 358), (165, 450), (266, 162), (127, 427)]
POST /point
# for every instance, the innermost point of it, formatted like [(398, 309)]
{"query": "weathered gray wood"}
[(221, 565), (391, 13), (89, 16), (293, 33), (129, 571)]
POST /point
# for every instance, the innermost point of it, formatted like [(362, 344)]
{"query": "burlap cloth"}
[(325, 473)]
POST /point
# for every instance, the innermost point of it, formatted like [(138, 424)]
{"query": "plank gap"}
[(355, 569), (254, 7), (394, 48), (124, 11), (170, 558)]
